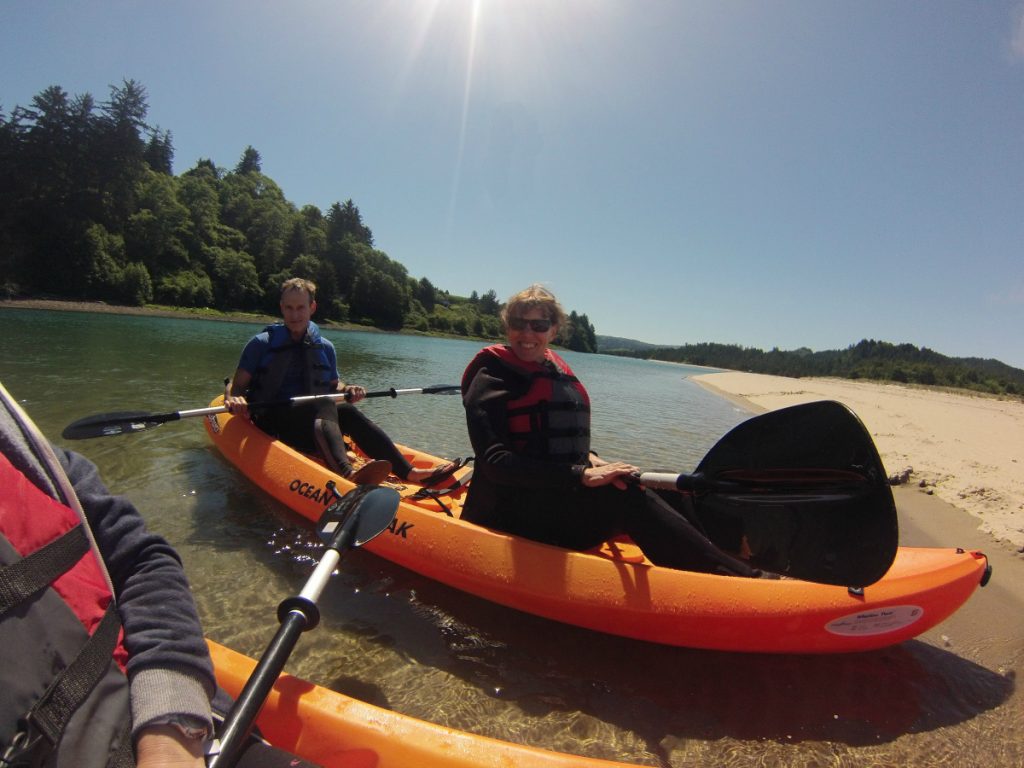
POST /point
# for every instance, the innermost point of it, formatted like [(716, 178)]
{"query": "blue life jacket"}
[(280, 356)]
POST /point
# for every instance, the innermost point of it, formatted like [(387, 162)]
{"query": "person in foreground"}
[(290, 359), (100, 644), (529, 422)]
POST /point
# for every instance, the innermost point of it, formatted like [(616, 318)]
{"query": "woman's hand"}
[(617, 473)]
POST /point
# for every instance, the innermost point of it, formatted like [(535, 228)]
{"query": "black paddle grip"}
[(301, 605)]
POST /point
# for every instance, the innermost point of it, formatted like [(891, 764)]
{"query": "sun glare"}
[(481, 59)]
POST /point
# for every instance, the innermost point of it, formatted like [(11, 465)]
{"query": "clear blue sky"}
[(790, 173)]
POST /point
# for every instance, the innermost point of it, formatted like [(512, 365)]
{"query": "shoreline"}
[(963, 449), (184, 313), (101, 307)]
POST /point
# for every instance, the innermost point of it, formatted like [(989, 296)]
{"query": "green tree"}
[(308, 234), (489, 304), (378, 298), (198, 191), (578, 335), (235, 279), (121, 151), (250, 162), (345, 220), (185, 289), (159, 154), (136, 287), (100, 259), (155, 235), (426, 294), (254, 205)]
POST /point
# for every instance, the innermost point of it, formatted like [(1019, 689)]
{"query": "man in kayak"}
[(529, 422), (83, 679), (290, 359)]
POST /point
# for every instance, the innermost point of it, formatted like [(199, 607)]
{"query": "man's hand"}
[(237, 405), (353, 393)]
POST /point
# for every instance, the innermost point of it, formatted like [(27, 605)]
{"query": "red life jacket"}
[(550, 419), (67, 632)]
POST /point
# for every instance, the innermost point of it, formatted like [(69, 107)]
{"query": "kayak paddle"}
[(803, 489), (351, 521), (126, 422)]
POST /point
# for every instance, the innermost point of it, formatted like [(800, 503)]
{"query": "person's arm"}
[(165, 746), (168, 665), (236, 389), (355, 392), (234, 393)]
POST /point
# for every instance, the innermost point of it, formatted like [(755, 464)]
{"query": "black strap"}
[(22, 579), (124, 755), (456, 488), (66, 693)]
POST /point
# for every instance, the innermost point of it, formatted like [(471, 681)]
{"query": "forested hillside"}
[(90, 209)]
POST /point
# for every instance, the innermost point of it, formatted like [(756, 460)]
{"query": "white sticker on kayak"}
[(877, 621), (214, 424)]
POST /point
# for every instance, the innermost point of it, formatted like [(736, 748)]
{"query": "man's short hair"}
[(299, 284)]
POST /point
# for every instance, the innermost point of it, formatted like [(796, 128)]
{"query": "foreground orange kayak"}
[(335, 731), (615, 590)]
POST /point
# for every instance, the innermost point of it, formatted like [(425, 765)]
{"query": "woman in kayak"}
[(290, 359), (529, 423)]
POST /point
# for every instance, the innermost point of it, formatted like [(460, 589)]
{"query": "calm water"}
[(393, 638)]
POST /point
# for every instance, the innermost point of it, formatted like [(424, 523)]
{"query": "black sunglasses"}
[(520, 323)]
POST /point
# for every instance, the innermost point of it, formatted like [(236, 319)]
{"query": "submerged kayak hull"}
[(616, 591), (335, 731)]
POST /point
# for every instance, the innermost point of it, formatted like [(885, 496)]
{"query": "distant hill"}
[(868, 359), (607, 344)]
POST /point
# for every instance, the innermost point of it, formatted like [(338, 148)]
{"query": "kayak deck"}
[(616, 590), (335, 731)]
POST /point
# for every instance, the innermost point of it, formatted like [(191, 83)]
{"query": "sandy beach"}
[(967, 450)]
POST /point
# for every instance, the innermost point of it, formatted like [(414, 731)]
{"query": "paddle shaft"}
[(350, 521), (302, 399), (109, 424), (764, 479), (301, 614)]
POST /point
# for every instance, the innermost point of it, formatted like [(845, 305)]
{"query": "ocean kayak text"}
[(315, 493)]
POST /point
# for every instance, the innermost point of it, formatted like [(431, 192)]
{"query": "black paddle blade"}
[(804, 490), (443, 389), (359, 516), (108, 424)]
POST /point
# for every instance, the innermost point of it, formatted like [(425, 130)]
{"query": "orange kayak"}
[(615, 590), (335, 731)]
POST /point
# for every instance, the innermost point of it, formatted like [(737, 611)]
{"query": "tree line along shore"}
[(92, 212)]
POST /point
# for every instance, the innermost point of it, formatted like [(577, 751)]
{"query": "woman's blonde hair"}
[(529, 298)]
